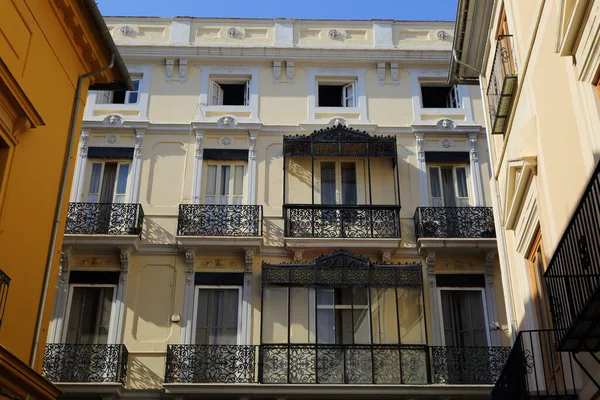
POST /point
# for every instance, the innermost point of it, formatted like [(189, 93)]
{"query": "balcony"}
[(535, 369), (4, 284), (328, 364), (104, 219), (85, 363), (502, 84), (573, 276)]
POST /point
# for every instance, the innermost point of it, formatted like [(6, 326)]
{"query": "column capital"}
[(420, 146), (199, 144), (190, 259), (248, 260), (83, 143)]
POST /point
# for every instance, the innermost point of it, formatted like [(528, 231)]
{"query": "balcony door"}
[(108, 182), (448, 186), (218, 315), (339, 183), (464, 318), (90, 314), (224, 183)]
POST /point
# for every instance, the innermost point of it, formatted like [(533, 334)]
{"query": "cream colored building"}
[(538, 65), (281, 209)]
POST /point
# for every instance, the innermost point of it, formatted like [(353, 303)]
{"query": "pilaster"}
[(136, 167), (422, 167), (435, 312), (188, 297), (197, 179), (252, 169), (60, 300), (475, 171), (490, 297), (80, 164), (124, 258), (247, 296)]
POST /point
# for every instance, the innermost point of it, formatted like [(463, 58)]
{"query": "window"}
[(230, 92), (119, 96), (464, 320), (440, 96), (448, 186), (537, 266), (108, 182), (337, 94), (343, 316), (90, 313), (218, 315), (224, 183), (338, 183)]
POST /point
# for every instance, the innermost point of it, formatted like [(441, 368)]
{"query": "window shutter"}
[(216, 94), (247, 94), (462, 191), (348, 95), (103, 97), (435, 184)]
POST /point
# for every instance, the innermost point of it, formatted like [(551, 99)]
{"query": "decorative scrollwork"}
[(219, 220), (104, 219), (468, 365), (454, 222), (210, 364), (85, 362), (340, 221)]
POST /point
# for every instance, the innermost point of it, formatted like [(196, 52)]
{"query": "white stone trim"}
[(490, 296), (284, 34), (187, 320), (252, 182), (80, 164), (118, 317), (180, 32), (422, 168), (206, 71), (383, 35), (198, 160), (60, 300), (434, 309), (136, 167), (476, 182), (356, 74)]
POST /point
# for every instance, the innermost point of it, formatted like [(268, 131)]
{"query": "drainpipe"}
[(59, 203), (496, 201)]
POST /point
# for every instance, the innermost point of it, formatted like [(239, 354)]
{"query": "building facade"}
[(280, 208), (538, 66), (46, 48)]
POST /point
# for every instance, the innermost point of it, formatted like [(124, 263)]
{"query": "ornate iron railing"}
[(573, 275), (341, 221), (4, 284), (211, 363), (535, 369), (502, 83), (104, 219), (454, 222), (85, 362), (467, 365), (219, 220)]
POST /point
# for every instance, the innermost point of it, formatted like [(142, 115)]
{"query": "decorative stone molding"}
[(113, 120), (298, 255), (276, 71), (252, 148), (182, 70), (420, 147), (226, 122), (473, 147), (226, 141), (447, 144), (338, 121), (430, 265), (126, 30), (442, 35), (459, 265), (386, 256), (97, 263), (490, 259), (394, 73), (446, 123), (64, 265), (169, 66), (124, 259), (248, 260), (334, 34), (381, 74), (83, 147), (233, 32), (219, 264), (139, 138), (190, 258), (289, 72), (199, 145), (111, 139)]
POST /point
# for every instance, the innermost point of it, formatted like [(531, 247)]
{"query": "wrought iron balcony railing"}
[(454, 222), (85, 363), (219, 220), (104, 219), (334, 364), (573, 275), (535, 369), (502, 83), (4, 284), (341, 221)]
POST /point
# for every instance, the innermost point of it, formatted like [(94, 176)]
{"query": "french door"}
[(224, 183), (449, 186), (464, 318)]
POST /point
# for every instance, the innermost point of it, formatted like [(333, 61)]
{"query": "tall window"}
[(224, 183), (218, 315), (338, 183), (89, 316), (464, 319), (108, 182), (448, 186), (537, 266)]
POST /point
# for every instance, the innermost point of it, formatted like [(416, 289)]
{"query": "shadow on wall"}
[(166, 174), (272, 233), (155, 233), (140, 376)]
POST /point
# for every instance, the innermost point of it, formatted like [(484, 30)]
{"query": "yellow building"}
[(280, 209), (538, 65), (50, 52)]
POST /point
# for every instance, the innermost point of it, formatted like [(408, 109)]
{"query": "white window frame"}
[(455, 182), (342, 76), (112, 329), (348, 98), (483, 304), (215, 86), (232, 164), (88, 176), (108, 95), (197, 289), (361, 192), (335, 307)]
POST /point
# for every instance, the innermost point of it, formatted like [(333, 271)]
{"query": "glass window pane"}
[(225, 177), (461, 182), (348, 183), (412, 321), (202, 317), (122, 178), (328, 183), (238, 182), (211, 180), (434, 180), (275, 317), (384, 316), (95, 178), (132, 97), (89, 315), (362, 328), (326, 323), (302, 315)]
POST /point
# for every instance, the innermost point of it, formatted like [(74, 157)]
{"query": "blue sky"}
[(320, 9)]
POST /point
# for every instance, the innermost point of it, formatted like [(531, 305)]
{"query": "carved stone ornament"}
[(233, 32), (430, 265), (248, 260), (169, 66), (420, 147), (219, 264), (298, 255), (113, 120), (334, 34), (381, 74), (65, 260), (447, 144), (442, 35), (83, 144), (126, 30), (289, 72), (458, 265), (386, 256), (190, 257), (276, 71), (394, 73), (338, 121), (199, 145), (182, 70), (252, 149), (139, 138), (473, 148), (112, 139), (97, 263), (226, 141), (446, 124), (226, 121)]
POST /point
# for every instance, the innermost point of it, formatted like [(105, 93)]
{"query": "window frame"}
[(109, 94), (361, 180), (469, 198), (454, 93), (217, 80), (197, 289), (218, 163), (88, 176)]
